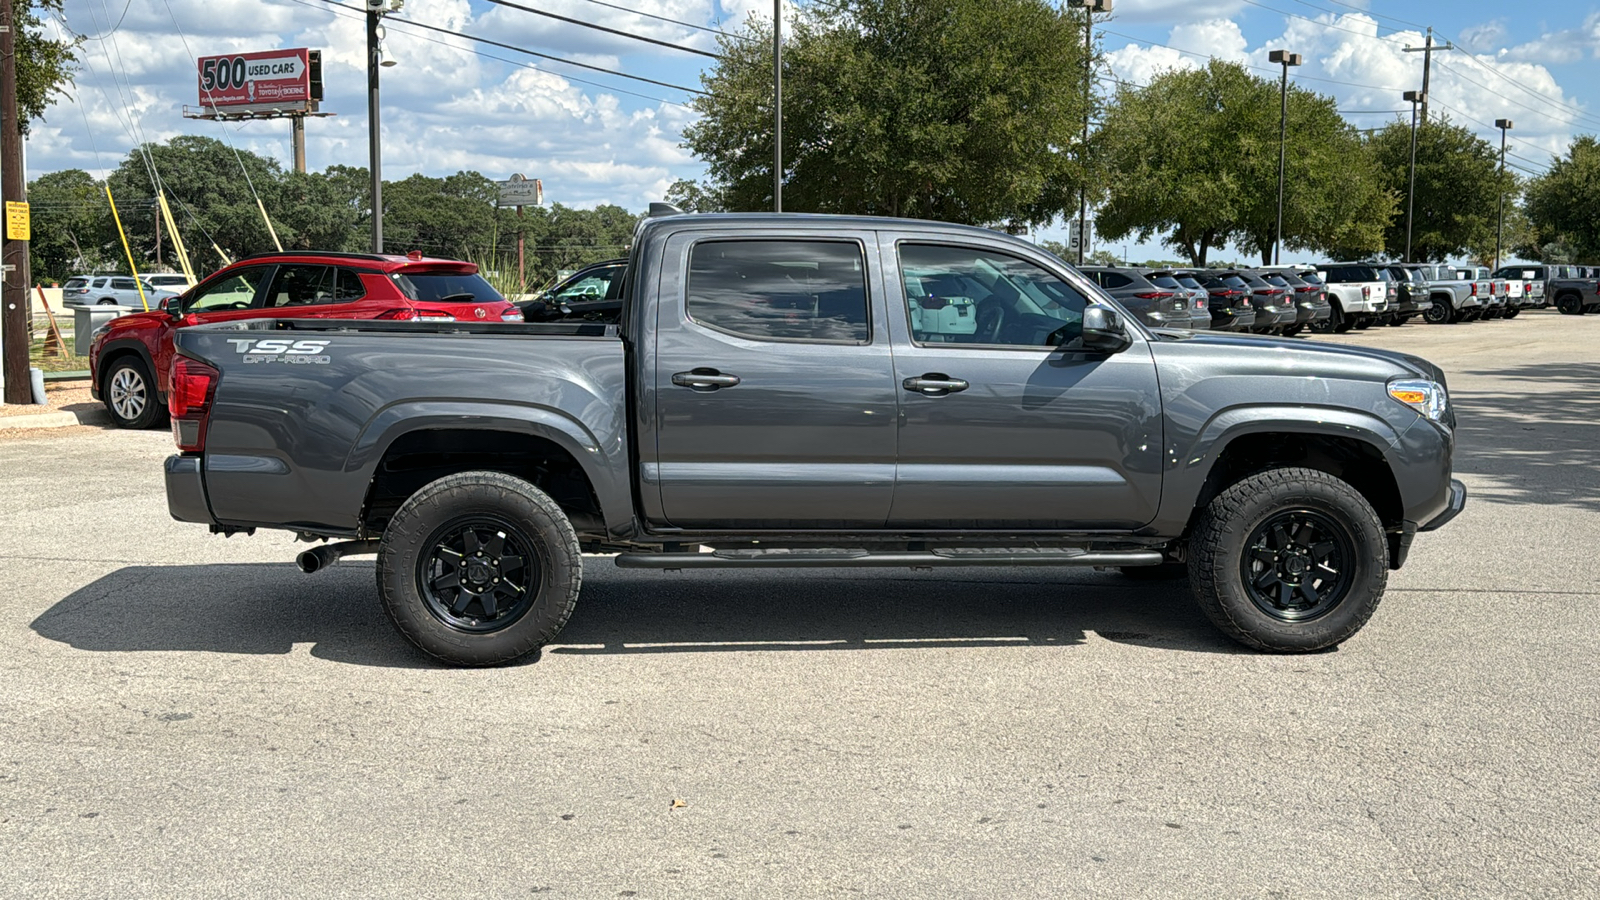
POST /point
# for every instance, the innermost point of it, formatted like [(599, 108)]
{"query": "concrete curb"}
[(38, 420), (61, 419)]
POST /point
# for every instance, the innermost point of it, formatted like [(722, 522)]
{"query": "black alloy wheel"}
[(1439, 313), (1570, 305), (480, 575), (1297, 566)]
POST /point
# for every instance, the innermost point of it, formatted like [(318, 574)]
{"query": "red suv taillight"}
[(1153, 295), (189, 401)]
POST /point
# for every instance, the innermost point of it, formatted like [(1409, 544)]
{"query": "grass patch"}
[(38, 360)]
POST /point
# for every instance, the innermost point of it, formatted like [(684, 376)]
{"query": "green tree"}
[(1561, 206), (961, 110), (452, 216), (44, 65), (72, 229), (1458, 190), (1193, 158)]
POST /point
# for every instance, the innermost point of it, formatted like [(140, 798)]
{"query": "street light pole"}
[(1500, 225), (1090, 7), (1286, 59), (375, 9), (777, 105), (1412, 97)]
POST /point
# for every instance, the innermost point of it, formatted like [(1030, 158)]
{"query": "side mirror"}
[(173, 307), (1104, 331)]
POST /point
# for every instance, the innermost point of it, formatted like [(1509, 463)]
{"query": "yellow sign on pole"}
[(18, 227)]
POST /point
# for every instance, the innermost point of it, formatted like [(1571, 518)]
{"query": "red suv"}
[(130, 358)]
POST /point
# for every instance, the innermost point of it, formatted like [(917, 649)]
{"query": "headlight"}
[(1426, 397)]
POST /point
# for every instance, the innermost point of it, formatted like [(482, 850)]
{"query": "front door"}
[(773, 387), (1003, 425)]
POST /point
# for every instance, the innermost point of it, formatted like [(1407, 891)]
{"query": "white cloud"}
[(1484, 36), (1213, 37), (1560, 47), (1168, 11)]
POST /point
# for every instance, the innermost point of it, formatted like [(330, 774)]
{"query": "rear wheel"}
[(479, 569), (1363, 323), (129, 393), (1439, 313), (1570, 304), (1292, 330), (1512, 313), (1289, 560), (106, 301)]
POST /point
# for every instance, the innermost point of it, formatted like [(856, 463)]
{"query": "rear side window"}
[(344, 286), (813, 291), (122, 284), (446, 287), (1114, 280), (1310, 278), (1165, 281), (76, 283)]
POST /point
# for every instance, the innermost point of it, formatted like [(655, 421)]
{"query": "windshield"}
[(447, 287)]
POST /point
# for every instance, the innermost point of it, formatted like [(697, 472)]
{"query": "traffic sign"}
[(521, 191), (18, 226)]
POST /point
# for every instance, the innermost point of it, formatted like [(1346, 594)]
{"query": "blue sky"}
[(594, 137)]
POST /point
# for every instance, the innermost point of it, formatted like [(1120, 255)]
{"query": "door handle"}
[(704, 379), (935, 384)]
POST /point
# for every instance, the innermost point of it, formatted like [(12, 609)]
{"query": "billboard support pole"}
[(298, 124)]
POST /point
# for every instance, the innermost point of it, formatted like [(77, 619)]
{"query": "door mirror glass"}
[(1104, 331)]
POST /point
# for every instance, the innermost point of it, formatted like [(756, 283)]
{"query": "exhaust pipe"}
[(318, 558)]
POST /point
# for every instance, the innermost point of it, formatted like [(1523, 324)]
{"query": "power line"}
[(100, 37), (1292, 75), (1532, 93), (361, 17), (1351, 6), (516, 49), (1375, 37), (637, 12), (616, 31), (1538, 112)]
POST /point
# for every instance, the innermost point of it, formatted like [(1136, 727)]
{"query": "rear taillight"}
[(1474, 289), (1366, 292), (1200, 303), (194, 383), (1153, 295), (411, 315)]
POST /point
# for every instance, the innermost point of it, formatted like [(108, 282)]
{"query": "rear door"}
[(773, 395), (1003, 425)]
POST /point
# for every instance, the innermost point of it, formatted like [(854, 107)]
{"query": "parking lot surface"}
[(184, 715)]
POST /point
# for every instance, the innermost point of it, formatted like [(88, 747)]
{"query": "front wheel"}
[(479, 569), (130, 393), (1289, 560)]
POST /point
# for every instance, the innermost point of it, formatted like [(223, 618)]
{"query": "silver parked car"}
[(113, 290)]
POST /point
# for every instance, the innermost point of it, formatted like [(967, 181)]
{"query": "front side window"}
[(297, 286), (966, 295), (236, 290), (781, 290), (594, 286)]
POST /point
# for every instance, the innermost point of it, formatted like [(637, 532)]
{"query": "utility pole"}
[(1427, 67), (375, 9), (1500, 224), (1286, 59), (1090, 7), (14, 304), (1412, 97), (777, 105)]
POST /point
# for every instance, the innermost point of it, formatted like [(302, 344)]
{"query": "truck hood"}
[(1303, 351)]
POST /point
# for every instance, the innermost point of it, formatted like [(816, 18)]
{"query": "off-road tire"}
[(1332, 324), (1440, 313), (1570, 304), (414, 535), (1218, 544), (127, 384)]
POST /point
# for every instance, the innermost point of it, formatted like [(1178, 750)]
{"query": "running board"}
[(812, 559)]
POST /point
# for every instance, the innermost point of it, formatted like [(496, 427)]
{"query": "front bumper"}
[(1458, 502), (186, 490)]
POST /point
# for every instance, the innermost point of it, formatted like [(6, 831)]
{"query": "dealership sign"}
[(275, 78)]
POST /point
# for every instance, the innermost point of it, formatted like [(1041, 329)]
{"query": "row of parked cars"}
[(1335, 297)]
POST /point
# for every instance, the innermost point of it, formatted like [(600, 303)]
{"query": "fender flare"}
[(603, 461), (1196, 463)]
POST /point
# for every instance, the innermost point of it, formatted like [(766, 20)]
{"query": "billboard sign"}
[(275, 78)]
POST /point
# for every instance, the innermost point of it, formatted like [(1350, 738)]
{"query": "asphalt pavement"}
[(188, 715)]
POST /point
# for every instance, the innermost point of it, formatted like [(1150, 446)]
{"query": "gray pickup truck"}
[(802, 391)]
